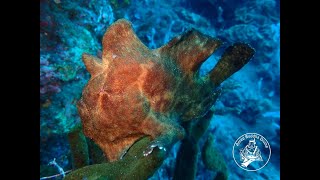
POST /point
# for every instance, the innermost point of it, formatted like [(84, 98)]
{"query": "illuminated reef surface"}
[(249, 101)]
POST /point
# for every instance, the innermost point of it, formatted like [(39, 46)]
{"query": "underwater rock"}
[(135, 91)]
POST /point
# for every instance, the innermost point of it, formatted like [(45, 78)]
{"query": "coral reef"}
[(249, 100), (165, 20), (134, 91)]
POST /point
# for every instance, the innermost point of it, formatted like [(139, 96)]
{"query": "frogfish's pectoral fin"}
[(233, 59), (190, 50), (92, 63)]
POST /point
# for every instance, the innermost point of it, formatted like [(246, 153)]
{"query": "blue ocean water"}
[(249, 104)]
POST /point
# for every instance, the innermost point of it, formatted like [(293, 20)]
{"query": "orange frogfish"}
[(135, 91)]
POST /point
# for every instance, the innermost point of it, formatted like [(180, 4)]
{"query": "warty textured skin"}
[(135, 92)]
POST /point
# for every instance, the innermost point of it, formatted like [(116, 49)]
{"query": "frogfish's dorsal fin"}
[(233, 59), (92, 63), (190, 50), (121, 41)]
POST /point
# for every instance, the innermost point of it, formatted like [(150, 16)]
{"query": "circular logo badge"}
[(251, 152)]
